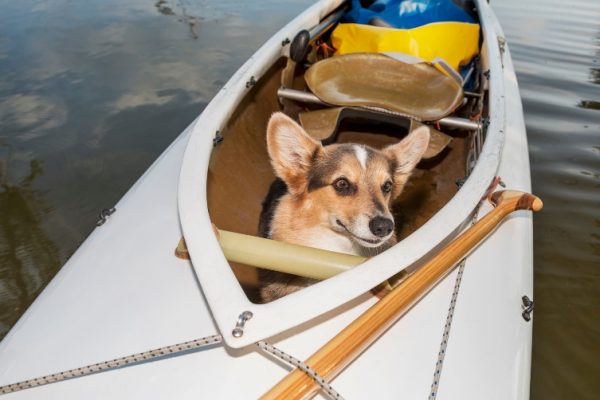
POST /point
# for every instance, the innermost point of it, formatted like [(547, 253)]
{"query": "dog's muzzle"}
[(365, 240)]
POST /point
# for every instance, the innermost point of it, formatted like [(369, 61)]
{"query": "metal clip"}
[(527, 308), (217, 139), (251, 82), (238, 331), (502, 48), (485, 122), (104, 214)]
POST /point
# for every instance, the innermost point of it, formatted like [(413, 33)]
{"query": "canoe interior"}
[(240, 174)]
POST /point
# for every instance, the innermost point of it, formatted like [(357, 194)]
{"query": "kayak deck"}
[(125, 292), (128, 302)]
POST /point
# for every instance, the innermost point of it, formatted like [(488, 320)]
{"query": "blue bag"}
[(407, 14)]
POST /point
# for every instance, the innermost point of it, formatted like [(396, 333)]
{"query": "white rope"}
[(112, 364), (327, 388), (446, 335)]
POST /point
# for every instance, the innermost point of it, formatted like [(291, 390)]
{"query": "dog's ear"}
[(406, 155), (291, 151)]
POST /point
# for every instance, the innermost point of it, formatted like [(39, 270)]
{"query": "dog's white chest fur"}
[(326, 239)]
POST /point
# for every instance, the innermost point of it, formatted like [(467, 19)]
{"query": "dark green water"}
[(556, 49), (91, 93)]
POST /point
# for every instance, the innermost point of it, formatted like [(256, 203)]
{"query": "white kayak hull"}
[(124, 292)]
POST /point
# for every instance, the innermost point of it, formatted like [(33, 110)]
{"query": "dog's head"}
[(348, 187)]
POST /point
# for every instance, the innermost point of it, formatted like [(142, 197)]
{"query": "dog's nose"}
[(381, 226)]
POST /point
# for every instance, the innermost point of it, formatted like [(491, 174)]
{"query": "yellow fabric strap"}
[(455, 42)]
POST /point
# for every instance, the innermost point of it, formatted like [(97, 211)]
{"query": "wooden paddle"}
[(347, 345)]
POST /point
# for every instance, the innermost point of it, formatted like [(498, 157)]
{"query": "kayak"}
[(176, 260)]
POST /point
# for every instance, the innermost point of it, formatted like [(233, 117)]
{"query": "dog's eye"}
[(387, 187), (342, 186)]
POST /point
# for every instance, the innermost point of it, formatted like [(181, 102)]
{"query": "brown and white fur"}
[(334, 197)]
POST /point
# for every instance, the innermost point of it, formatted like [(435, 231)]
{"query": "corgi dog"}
[(334, 197)]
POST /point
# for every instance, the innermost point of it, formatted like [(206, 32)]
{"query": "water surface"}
[(90, 94), (555, 46)]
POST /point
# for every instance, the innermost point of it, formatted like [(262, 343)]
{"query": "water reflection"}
[(28, 116), (594, 78), (191, 21), (589, 104), (163, 8), (28, 257), (595, 74), (94, 91), (555, 47)]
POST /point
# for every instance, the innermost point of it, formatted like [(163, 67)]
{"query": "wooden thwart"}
[(347, 345)]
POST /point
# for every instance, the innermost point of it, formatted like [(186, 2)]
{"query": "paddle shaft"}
[(347, 345)]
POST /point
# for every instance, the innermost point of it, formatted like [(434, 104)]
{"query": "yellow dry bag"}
[(455, 42)]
